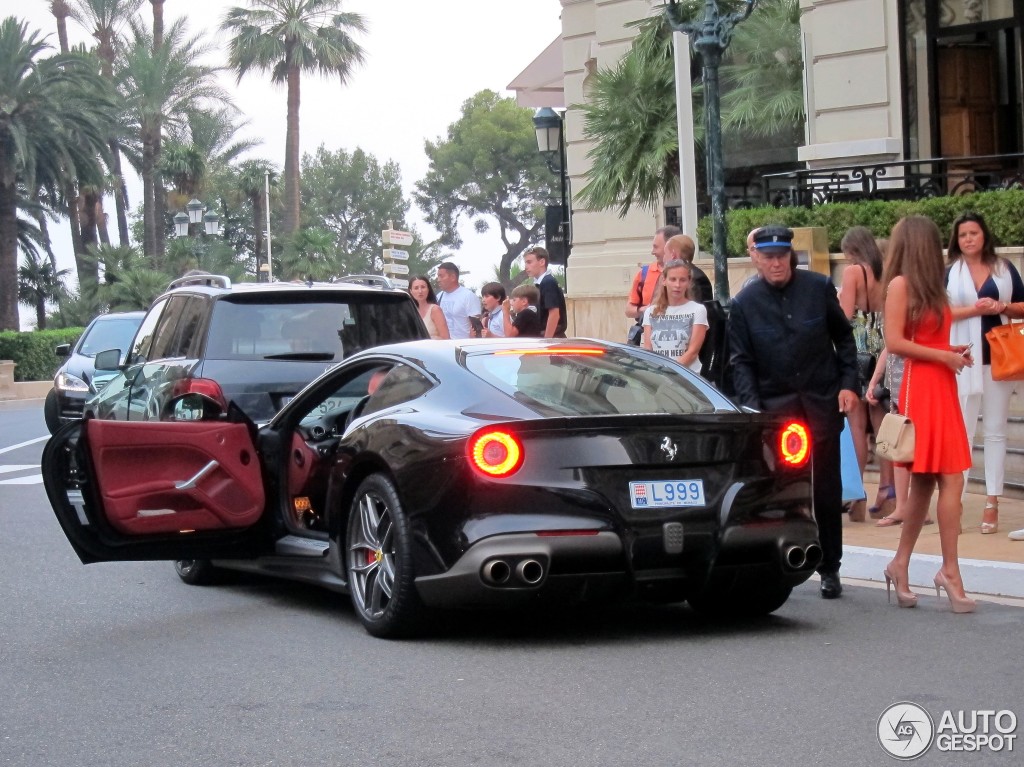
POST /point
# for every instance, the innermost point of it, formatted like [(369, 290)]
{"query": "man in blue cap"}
[(793, 353)]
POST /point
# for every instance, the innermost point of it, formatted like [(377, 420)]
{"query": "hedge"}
[(33, 351), (1001, 209)]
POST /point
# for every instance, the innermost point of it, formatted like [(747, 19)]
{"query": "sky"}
[(423, 60)]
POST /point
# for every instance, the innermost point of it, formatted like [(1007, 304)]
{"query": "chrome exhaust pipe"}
[(795, 557), (812, 555), (496, 572), (530, 572)]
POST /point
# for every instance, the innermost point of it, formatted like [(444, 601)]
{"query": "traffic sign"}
[(396, 255), (399, 283), (396, 237), (396, 268)]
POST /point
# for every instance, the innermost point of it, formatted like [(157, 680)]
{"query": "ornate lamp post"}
[(194, 215), (550, 128), (710, 37)]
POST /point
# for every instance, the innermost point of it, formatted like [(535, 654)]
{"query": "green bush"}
[(1001, 209), (32, 352)]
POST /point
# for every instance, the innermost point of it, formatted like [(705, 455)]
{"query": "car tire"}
[(378, 561), (744, 599), (51, 412), (196, 572)]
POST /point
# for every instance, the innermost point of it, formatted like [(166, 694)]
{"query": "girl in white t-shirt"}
[(675, 325)]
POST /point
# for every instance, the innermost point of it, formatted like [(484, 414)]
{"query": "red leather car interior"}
[(167, 477)]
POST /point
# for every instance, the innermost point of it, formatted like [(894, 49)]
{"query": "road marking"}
[(23, 444), (35, 479)]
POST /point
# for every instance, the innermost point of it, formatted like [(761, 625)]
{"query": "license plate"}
[(662, 494)]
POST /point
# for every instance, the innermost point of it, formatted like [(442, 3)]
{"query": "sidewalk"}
[(990, 564)]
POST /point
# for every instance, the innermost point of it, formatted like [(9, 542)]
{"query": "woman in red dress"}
[(917, 321)]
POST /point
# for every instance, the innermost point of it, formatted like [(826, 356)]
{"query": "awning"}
[(540, 84)]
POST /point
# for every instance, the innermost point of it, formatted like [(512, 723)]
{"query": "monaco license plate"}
[(662, 494)]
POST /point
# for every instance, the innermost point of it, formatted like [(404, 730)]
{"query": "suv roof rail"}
[(373, 280), (201, 278)]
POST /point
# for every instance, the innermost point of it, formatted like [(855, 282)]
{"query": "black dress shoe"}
[(831, 588)]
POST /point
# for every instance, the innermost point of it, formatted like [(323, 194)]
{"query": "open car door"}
[(127, 490)]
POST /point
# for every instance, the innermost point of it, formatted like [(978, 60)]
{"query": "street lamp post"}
[(710, 37), (194, 215), (550, 129)]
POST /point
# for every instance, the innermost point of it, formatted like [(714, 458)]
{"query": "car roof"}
[(444, 349), (282, 288)]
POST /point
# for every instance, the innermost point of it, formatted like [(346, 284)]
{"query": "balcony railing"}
[(897, 180)]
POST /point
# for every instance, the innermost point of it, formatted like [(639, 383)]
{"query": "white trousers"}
[(994, 407)]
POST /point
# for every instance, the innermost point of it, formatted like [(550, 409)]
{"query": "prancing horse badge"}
[(668, 447)]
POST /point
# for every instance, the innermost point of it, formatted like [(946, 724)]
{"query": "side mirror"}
[(62, 350), (194, 407), (108, 360)]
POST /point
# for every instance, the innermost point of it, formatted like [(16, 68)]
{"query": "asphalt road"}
[(122, 664)]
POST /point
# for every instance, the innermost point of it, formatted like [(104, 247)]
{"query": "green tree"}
[(38, 284), (488, 169), (287, 38), (104, 19), (631, 113), (161, 85), (249, 183), (353, 196), (55, 118)]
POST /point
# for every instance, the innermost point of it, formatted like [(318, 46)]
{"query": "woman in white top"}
[(426, 301), (674, 324)]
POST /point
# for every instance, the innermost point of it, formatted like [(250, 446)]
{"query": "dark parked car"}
[(461, 473), (255, 345), (76, 379)]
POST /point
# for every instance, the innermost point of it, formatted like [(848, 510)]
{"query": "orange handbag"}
[(1006, 348)]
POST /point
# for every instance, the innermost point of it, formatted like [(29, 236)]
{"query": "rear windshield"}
[(314, 330), (605, 382), (109, 334)]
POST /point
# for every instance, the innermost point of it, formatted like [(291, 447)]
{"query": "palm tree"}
[(38, 284), (57, 114), (61, 11), (160, 88), (104, 19), (288, 37), (251, 183), (158, 22), (632, 110)]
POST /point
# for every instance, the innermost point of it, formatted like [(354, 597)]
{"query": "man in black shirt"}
[(792, 352), (552, 302)]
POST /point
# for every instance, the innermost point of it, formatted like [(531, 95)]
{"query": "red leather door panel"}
[(165, 477)]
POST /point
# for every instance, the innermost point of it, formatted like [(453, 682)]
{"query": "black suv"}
[(254, 344)]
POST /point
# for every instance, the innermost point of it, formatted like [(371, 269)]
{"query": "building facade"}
[(903, 92)]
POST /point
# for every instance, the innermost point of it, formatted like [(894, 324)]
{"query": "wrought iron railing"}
[(897, 180)]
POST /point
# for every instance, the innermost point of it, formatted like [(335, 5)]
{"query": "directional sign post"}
[(392, 255), (396, 237)]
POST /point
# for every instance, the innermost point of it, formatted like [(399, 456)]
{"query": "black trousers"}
[(828, 500)]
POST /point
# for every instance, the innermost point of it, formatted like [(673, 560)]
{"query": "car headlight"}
[(66, 382)]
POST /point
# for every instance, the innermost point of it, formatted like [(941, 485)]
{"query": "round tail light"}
[(795, 444), (495, 453)]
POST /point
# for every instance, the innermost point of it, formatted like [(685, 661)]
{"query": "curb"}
[(981, 576)]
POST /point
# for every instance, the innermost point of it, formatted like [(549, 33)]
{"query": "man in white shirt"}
[(456, 301)]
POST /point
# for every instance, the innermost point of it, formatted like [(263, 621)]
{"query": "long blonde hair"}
[(915, 253), (660, 302)]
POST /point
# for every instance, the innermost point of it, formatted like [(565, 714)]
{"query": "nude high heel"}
[(988, 528), (962, 604), (903, 598)]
